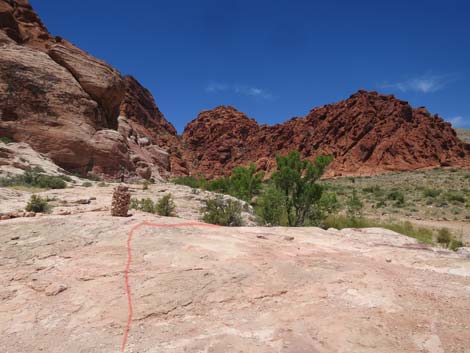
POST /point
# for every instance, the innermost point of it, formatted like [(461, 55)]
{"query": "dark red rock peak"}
[(368, 133)]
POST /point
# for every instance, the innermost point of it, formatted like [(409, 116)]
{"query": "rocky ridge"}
[(368, 133)]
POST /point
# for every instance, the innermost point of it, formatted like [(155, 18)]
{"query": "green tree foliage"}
[(223, 212), (270, 207), (244, 183), (296, 180)]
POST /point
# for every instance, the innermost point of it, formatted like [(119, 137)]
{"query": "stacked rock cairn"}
[(121, 201)]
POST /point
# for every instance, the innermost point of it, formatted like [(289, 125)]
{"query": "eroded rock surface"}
[(368, 133), (69, 105), (197, 289)]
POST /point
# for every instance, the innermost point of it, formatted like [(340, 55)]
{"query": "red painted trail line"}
[(129, 260)]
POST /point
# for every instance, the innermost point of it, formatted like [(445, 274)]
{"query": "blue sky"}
[(277, 59)]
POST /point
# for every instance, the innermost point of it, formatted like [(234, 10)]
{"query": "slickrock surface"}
[(226, 290), (368, 133), (77, 199)]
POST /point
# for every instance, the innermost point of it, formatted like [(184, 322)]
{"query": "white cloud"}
[(217, 87), (458, 121), (422, 84)]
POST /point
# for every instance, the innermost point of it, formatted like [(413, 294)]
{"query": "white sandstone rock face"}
[(216, 289)]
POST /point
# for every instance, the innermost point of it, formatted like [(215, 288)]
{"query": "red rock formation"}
[(86, 117), (75, 108), (367, 134)]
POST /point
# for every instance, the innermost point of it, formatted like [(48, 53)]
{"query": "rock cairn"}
[(121, 201)]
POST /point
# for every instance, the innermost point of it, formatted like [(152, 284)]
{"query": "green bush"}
[(444, 237), (432, 193), (270, 207), (93, 177), (87, 184), (34, 178), (166, 207), (398, 197), (222, 212), (455, 244), (190, 181), (37, 204), (354, 206), (102, 184), (454, 197), (145, 185), (5, 139), (145, 205)]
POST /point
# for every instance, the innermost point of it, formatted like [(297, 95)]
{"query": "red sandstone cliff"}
[(75, 108), (367, 134)]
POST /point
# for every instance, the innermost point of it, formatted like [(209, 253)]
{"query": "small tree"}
[(244, 183), (166, 207), (223, 212), (297, 180), (270, 207)]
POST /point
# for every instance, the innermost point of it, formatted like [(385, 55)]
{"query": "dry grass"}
[(463, 134), (438, 194)]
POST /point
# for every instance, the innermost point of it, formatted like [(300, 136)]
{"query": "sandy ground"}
[(248, 289)]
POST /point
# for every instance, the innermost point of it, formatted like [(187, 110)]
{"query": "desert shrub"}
[(145, 185), (221, 185), (50, 182), (454, 197), (165, 206), (34, 178), (296, 179), (190, 181), (380, 204), (87, 184), (444, 237), (93, 177), (5, 139), (398, 197), (144, 205), (455, 244), (354, 206), (270, 207), (102, 184), (432, 193), (37, 204), (222, 212)]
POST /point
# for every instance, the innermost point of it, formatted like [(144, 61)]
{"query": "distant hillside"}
[(368, 133), (463, 134)]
